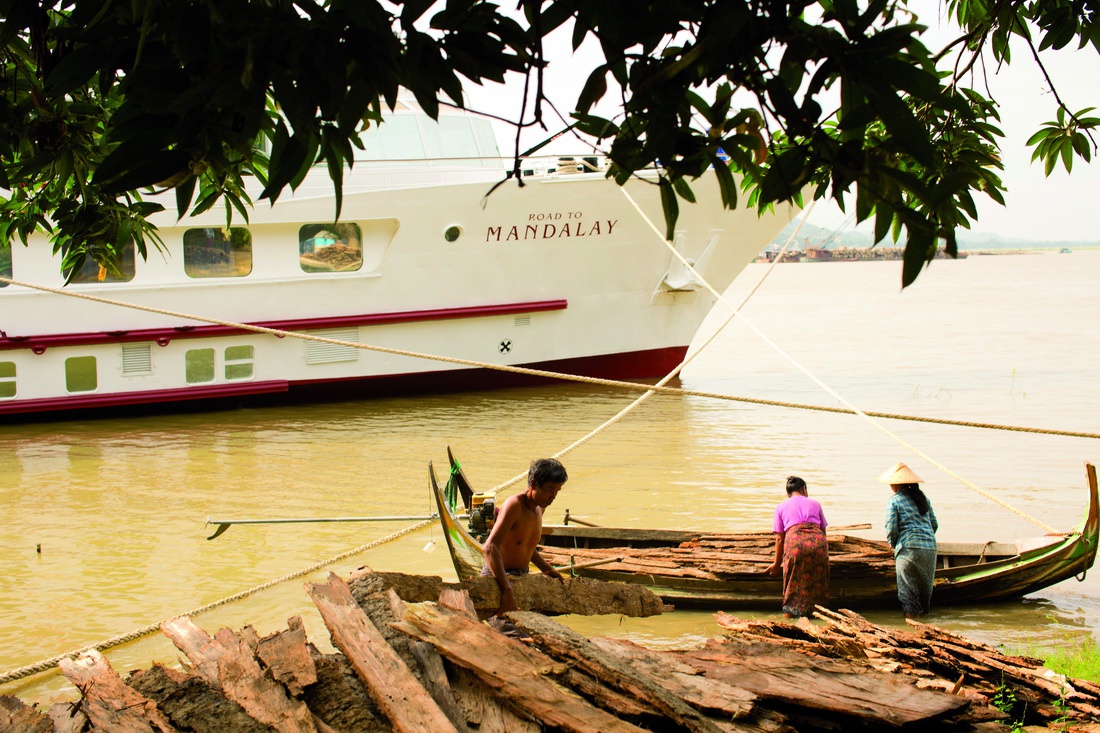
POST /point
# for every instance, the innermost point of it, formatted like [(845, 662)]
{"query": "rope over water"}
[(47, 664)]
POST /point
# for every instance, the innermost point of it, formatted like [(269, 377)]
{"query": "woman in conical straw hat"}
[(911, 530)]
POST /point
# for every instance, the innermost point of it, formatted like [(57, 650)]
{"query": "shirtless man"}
[(510, 548)]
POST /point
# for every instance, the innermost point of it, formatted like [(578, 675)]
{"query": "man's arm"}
[(546, 568), (494, 557)]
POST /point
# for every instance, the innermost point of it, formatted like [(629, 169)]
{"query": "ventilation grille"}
[(322, 353), (137, 359), (523, 320)]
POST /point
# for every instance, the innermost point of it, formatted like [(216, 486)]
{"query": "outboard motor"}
[(483, 513)]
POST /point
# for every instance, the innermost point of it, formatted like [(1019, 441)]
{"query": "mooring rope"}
[(659, 387), (114, 641), (851, 407), (618, 384)]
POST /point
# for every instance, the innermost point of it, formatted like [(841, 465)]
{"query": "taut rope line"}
[(631, 386), (851, 408), (679, 367), (114, 641)]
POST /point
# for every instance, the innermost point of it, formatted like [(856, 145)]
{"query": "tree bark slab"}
[(108, 702), (535, 592), (395, 690), (227, 662), (516, 673)]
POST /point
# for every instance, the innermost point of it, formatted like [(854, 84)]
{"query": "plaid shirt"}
[(906, 527)]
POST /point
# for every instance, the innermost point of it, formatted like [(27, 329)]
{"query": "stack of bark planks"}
[(728, 556), (433, 666), (937, 659)]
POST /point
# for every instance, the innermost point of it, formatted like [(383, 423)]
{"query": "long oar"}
[(224, 524)]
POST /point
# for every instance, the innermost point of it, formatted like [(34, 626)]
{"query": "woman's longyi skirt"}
[(805, 569)]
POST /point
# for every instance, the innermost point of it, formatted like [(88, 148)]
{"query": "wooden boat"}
[(711, 569)]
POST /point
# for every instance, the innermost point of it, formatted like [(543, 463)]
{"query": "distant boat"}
[(1065, 250)]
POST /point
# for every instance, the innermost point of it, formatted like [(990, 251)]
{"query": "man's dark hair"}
[(545, 470)]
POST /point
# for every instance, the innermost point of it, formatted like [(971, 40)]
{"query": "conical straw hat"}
[(899, 473)]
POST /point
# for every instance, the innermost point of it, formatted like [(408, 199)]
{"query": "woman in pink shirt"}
[(802, 550)]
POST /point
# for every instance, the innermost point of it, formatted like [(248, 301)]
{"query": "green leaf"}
[(683, 189), (915, 256), (671, 208)]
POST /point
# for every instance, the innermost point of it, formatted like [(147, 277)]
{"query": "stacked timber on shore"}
[(405, 663)]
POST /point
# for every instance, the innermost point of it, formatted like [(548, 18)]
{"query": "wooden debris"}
[(191, 703), (227, 662), (285, 654), (16, 717), (939, 659), (400, 696), (433, 666), (517, 673), (536, 592), (586, 656), (107, 701)]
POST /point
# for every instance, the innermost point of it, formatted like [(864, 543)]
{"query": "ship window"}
[(5, 264), (7, 379), (213, 252), (137, 359), (397, 139), (330, 247), (199, 366), (451, 137), (93, 272), (80, 374), (486, 143), (238, 363)]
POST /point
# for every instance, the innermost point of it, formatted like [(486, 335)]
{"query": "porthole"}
[(452, 234)]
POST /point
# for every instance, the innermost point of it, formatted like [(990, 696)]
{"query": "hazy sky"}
[(1057, 207)]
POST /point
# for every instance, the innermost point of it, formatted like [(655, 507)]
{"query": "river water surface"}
[(102, 529)]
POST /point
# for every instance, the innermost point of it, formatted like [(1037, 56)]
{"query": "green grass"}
[(1075, 657)]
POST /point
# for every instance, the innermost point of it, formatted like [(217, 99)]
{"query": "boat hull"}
[(563, 274), (860, 577)]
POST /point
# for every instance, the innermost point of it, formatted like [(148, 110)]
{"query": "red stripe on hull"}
[(634, 365), (71, 403), (43, 342)]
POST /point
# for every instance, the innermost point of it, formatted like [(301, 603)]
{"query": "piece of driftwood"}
[(382, 606), (394, 689), (227, 662), (535, 592), (938, 659), (286, 655), (682, 680), (107, 701), (514, 671), (834, 687), (341, 699), (586, 656), (17, 717), (192, 703)]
